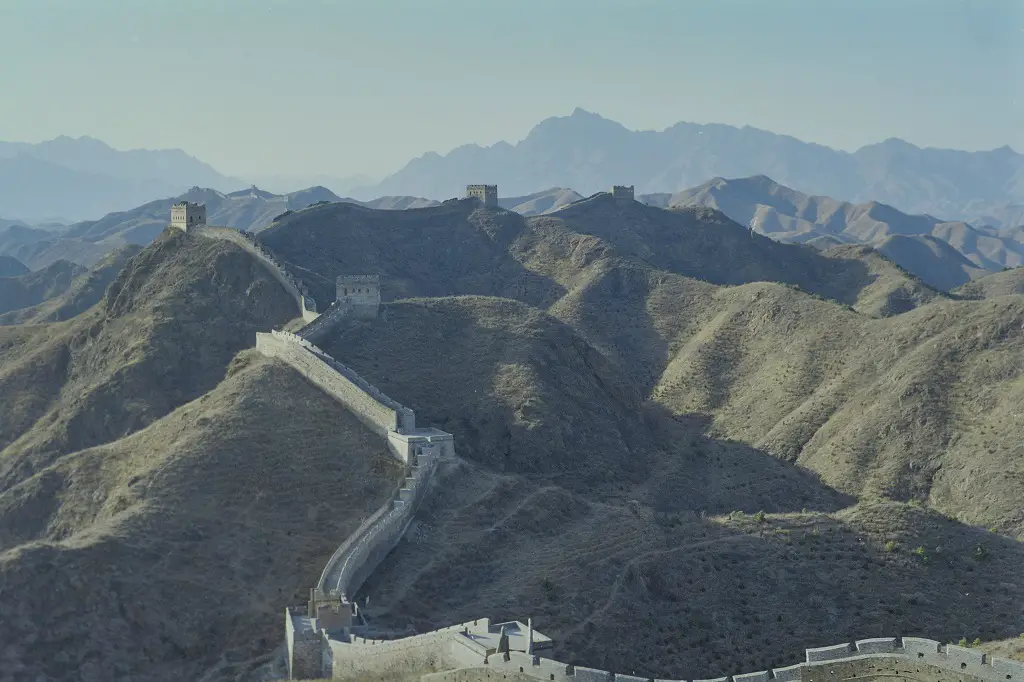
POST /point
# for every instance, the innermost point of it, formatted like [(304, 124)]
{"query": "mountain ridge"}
[(589, 153), (769, 454)]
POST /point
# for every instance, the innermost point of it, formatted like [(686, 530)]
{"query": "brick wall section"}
[(346, 389), (910, 659), (246, 241)]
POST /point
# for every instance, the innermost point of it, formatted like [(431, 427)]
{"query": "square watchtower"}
[(360, 294), (186, 214), (622, 192), (487, 194)]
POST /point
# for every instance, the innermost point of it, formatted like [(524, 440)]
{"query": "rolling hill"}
[(685, 449), (1005, 283), (51, 297), (919, 243)]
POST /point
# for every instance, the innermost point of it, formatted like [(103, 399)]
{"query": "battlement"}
[(622, 193), (487, 194), (186, 214)]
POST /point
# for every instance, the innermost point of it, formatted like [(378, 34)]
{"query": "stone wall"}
[(363, 551), (304, 650), (370, 406), (907, 658), (305, 302), (459, 659)]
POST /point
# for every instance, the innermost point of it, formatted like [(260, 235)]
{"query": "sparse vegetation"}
[(618, 422)]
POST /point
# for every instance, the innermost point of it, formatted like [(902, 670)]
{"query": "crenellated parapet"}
[(469, 654), (186, 215), (249, 243), (909, 658), (331, 610)]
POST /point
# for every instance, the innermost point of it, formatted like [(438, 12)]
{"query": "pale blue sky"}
[(344, 87)]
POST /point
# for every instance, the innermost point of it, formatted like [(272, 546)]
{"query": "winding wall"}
[(363, 551), (248, 242), (893, 658), (377, 411)]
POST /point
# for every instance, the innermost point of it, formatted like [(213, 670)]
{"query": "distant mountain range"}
[(589, 153), (68, 179), (87, 242), (250, 209), (944, 254)]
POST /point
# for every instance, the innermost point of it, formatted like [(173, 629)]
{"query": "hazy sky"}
[(346, 86)]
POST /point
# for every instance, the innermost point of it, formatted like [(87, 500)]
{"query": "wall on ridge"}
[(379, 417), (307, 306), (357, 558)]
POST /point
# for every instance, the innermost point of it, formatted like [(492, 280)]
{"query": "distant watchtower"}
[(186, 215), (622, 193), (359, 295), (487, 194)]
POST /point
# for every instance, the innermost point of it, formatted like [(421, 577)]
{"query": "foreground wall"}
[(410, 656), (457, 659)]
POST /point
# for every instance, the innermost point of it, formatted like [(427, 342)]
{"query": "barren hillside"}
[(1004, 283), (83, 291), (164, 333), (175, 550), (684, 450)]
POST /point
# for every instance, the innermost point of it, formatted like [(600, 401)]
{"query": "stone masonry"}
[(186, 215), (622, 192), (487, 194), (359, 295)]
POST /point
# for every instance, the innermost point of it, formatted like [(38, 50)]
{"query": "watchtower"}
[(487, 194), (622, 193), (186, 214), (359, 294)]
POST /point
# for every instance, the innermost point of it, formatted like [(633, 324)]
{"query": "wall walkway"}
[(248, 242)]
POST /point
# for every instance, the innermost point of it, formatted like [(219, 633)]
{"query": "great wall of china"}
[(324, 638)]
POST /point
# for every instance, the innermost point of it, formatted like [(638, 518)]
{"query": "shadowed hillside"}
[(438, 251), (11, 267), (707, 245), (897, 404), (35, 287), (84, 291), (164, 334), (673, 465), (458, 249)]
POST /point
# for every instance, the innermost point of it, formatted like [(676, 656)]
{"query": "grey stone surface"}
[(762, 676), (876, 645), (828, 653), (789, 673)]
